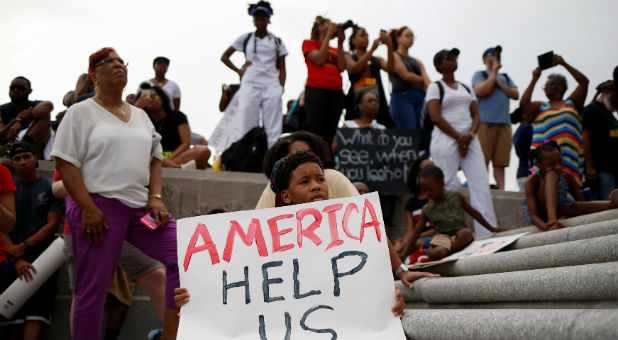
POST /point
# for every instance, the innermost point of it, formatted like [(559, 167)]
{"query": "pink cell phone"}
[(150, 222)]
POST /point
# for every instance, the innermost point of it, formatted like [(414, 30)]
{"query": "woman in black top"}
[(174, 129), (364, 73), (409, 82)]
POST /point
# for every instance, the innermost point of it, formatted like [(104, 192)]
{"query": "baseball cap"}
[(437, 59), (20, 147), (495, 51)]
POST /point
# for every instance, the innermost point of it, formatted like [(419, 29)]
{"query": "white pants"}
[(243, 114), (445, 155)]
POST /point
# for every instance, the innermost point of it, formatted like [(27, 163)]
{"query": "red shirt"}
[(6, 185), (326, 76)]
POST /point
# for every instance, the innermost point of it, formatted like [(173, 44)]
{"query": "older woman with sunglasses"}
[(109, 156), (558, 119)]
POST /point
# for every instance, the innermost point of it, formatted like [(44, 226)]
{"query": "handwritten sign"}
[(310, 271), (476, 248), (378, 158)]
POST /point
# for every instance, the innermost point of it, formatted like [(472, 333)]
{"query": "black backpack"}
[(246, 154), (426, 122)]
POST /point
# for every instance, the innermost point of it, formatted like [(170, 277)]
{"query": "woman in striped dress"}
[(558, 119)]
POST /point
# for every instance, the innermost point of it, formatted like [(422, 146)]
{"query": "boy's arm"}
[(53, 219), (413, 233), (477, 216)]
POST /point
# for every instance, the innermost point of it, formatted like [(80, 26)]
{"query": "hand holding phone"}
[(546, 60), (150, 222)]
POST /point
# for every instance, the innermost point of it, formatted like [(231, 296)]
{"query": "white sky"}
[(49, 41)]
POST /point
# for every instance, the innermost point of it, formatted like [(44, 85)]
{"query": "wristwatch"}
[(27, 244), (401, 268), (157, 196)]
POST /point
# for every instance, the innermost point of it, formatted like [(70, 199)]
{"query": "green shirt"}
[(447, 214)]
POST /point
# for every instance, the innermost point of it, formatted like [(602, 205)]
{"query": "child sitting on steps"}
[(552, 193), (445, 210)]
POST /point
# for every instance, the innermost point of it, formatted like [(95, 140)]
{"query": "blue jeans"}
[(606, 182), (406, 107)]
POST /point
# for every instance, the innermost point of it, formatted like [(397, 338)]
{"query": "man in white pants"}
[(262, 76), (454, 110)]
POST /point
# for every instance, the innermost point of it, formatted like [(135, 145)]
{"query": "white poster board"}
[(476, 248), (319, 270)]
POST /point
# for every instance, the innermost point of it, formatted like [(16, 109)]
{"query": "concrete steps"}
[(511, 324), (547, 285)]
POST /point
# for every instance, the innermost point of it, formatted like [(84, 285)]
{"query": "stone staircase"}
[(560, 284)]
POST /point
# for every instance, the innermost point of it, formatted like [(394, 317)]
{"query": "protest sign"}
[(476, 248), (378, 158), (293, 272)]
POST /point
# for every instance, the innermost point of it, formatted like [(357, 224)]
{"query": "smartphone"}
[(546, 60), (150, 222)]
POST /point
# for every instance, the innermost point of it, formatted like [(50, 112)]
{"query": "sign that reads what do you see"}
[(319, 270), (378, 158)]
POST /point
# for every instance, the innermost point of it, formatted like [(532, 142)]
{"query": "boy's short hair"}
[(289, 164), (164, 60), (433, 172)]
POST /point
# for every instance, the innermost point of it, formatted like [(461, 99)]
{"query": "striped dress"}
[(564, 126)]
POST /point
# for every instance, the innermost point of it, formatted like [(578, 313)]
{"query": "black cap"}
[(495, 51), (437, 59), (20, 147)]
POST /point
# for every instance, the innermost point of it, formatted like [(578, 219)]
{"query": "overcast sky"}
[(49, 41)]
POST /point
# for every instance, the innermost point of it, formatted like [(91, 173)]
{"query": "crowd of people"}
[(109, 152)]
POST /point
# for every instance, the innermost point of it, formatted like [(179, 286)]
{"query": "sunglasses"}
[(110, 61), (18, 87)]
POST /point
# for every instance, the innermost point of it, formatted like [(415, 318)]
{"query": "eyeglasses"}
[(110, 61), (18, 87)]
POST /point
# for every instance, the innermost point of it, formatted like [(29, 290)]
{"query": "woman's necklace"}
[(119, 112)]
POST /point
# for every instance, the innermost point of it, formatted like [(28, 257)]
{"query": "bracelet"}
[(157, 196), (401, 268)]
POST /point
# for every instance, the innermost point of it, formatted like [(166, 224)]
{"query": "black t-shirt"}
[(33, 202), (168, 129), (603, 137), (8, 112)]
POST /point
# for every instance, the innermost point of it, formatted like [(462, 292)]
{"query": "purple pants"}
[(95, 266)]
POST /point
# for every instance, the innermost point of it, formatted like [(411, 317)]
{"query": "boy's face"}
[(307, 184), (432, 188), (552, 161), (24, 163)]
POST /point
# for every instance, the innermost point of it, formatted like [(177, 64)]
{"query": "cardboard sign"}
[(377, 158), (310, 271), (476, 248)]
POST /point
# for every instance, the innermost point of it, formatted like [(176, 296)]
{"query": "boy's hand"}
[(25, 270), (554, 225), (181, 296), (407, 277), (400, 304)]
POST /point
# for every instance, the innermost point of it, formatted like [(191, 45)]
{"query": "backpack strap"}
[(464, 86), (441, 89), (485, 75), (246, 42)]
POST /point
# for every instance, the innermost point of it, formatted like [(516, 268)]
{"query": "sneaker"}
[(189, 165), (424, 259), (413, 258), (155, 334)]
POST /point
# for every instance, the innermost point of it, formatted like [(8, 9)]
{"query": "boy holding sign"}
[(299, 178), (446, 211)]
